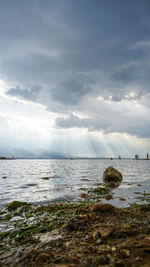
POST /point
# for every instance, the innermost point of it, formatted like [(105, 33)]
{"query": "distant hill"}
[(1, 158), (49, 154), (11, 152)]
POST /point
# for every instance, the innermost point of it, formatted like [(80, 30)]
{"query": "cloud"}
[(126, 75), (73, 57), (74, 121), (70, 92), (26, 94), (110, 117)]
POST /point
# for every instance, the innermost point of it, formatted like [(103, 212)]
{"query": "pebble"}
[(102, 207), (83, 195), (108, 197), (99, 242), (105, 232), (96, 235)]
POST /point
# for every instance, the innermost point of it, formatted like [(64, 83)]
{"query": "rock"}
[(16, 204), (126, 253), (122, 199), (99, 242), (102, 207), (42, 258), (83, 195), (108, 197), (96, 235), (112, 185), (45, 178), (97, 260), (112, 175), (105, 232)]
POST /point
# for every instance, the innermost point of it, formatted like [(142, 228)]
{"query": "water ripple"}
[(37, 180)]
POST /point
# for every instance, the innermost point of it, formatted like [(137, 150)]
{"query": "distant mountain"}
[(15, 152), (4, 152), (44, 154), (22, 153)]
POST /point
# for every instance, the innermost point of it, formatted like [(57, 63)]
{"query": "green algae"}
[(83, 188), (7, 217), (45, 228), (101, 190), (16, 204), (143, 196), (28, 215), (4, 234)]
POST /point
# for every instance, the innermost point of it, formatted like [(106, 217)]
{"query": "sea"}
[(49, 180)]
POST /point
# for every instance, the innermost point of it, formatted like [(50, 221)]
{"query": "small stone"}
[(126, 253), (102, 207), (43, 257), (99, 242), (83, 195), (137, 258), (68, 244), (105, 232), (108, 197), (87, 237), (122, 199), (91, 234), (96, 235)]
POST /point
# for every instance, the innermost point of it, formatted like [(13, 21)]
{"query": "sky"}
[(75, 76)]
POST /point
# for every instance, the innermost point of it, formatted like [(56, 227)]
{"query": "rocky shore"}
[(68, 234), (88, 233)]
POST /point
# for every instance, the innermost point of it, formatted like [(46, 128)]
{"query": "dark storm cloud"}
[(42, 38), (78, 51), (70, 92), (125, 75), (26, 94)]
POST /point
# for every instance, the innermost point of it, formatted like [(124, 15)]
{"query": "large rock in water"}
[(112, 175)]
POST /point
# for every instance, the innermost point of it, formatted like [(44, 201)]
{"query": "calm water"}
[(63, 179)]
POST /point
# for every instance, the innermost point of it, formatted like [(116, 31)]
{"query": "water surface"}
[(52, 180)]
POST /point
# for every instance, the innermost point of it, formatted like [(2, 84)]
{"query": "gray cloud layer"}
[(26, 94), (65, 54)]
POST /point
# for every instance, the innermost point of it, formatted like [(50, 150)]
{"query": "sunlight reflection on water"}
[(52, 180)]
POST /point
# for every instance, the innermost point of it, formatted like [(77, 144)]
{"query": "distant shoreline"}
[(4, 158), (69, 158)]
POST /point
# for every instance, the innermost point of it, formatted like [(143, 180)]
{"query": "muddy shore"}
[(89, 234)]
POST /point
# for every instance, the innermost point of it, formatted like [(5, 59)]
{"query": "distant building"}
[(136, 156)]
